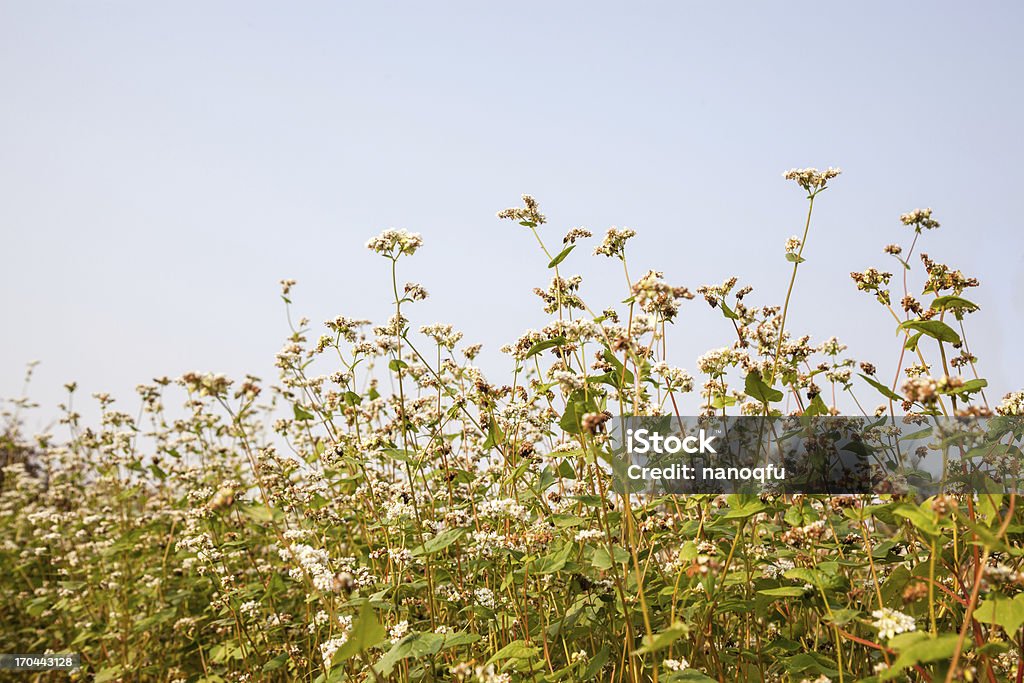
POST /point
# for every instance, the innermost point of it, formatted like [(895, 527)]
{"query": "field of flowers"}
[(386, 512)]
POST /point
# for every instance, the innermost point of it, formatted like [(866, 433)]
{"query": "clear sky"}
[(163, 165)]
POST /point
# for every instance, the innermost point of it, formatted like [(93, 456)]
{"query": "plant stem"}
[(789, 292)]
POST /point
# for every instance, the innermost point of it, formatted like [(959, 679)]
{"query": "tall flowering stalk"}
[(814, 182)]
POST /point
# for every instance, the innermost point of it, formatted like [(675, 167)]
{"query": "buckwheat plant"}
[(386, 511)]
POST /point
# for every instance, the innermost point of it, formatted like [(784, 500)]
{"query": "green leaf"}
[(577, 405), (276, 663), (805, 574), (596, 664), (517, 649), (922, 651), (806, 661), (971, 386), (918, 517), (993, 648), (107, 673), (412, 646), (301, 413), (564, 520), (798, 515), (989, 505), (1002, 611), (561, 256), (784, 592), (793, 258), (816, 407), (689, 676), (554, 561), (955, 303), (396, 364), (619, 370), (439, 542), (400, 454), (728, 312), (720, 401), (893, 587), (882, 389), (840, 617), (602, 560), (495, 437), (661, 640), (933, 328), (460, 638), (365, 633), (258, 512), (743, 506), (755, 387), (543, 346)]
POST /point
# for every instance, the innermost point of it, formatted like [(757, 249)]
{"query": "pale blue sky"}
[(163, 165)]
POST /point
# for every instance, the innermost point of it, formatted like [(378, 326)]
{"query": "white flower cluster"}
[(398, 631), (485, 543), (839, 375), (715, 361), (676, 664), (349, 569), (485, 598), (319, 619), (250, 608), (811, 179), (677, 379), (919, 218), (589, 535), (393, 242), (832, 347), (465, 672), (444, 335), (202, 545), (777, 568), (999, 572), (1013, 404), (674, 564), (614, 243), (311, 561), (574, 331), (396, 498), (504, 507), (330, 647), (528, 213), (890, 622), (568, 382)]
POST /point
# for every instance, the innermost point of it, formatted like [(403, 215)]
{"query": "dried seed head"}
[(593, 423)]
